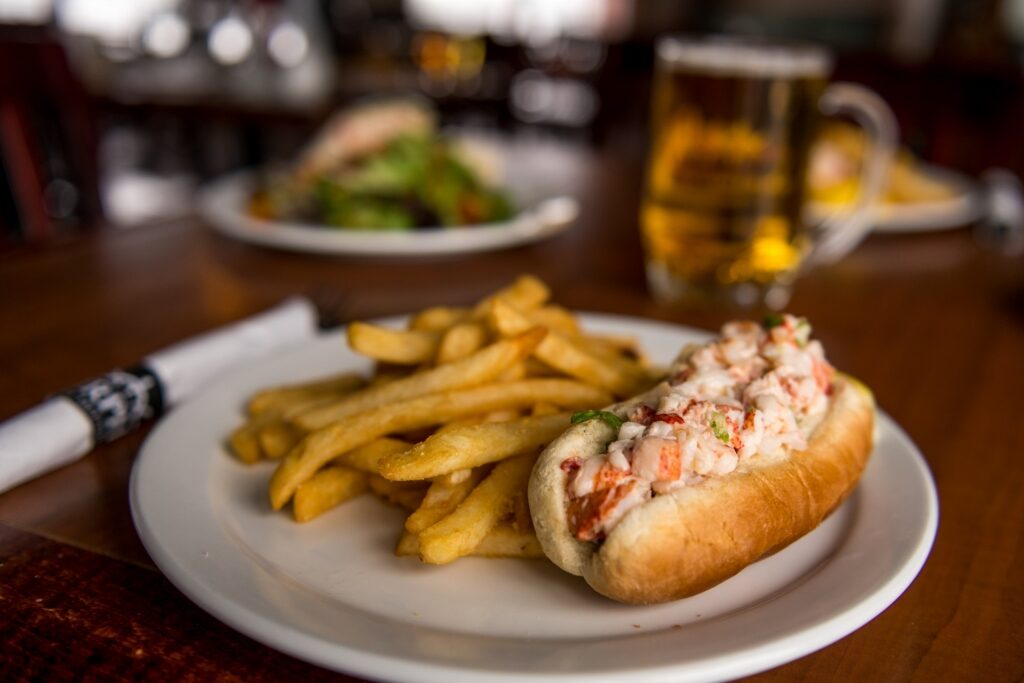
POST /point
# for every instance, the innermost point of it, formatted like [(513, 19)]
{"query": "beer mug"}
[(733, 122)]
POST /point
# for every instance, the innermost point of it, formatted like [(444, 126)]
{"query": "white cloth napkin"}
[(66, 427)]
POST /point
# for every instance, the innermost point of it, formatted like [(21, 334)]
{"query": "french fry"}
[(473, 446), (408, 545), (404, 494), (482, 366), (501, 541), (643, 375), (441, 499), (538, 368), (909, 182), (525, 294), (323, 445), (561, 353), (367, 458), (623, 353), (539, 409), (493, 416), (556, 318), (438, 318), (453, 478), (613, 346), (405, 347), (385, 373), (449, 422), (277, 438), (507, 541), (461, 532), (514, 372), (282, 397), (329, 488), (461, 340), (245, 441), (521, 520)]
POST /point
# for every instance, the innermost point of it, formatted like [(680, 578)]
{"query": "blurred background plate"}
[(223, 206), (962, 207)]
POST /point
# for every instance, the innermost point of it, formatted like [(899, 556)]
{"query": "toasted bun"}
[(679, 544), (364, 129)]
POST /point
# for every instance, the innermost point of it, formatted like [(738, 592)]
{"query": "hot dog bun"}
[(675, 545)]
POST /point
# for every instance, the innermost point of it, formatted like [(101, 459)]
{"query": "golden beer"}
[(732, 127)]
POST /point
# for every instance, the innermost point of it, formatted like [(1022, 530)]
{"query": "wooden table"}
[(932, 322)]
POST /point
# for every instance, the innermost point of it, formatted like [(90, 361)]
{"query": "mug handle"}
[(840, 232)]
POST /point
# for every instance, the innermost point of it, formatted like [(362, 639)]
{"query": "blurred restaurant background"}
[(113, 112)]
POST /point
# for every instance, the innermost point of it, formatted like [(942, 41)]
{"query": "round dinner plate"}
[(526, 174), (962, 207), (331, 591)]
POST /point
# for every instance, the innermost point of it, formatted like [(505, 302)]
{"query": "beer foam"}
[(743, 57)]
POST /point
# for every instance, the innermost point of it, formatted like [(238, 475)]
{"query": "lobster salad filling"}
[(753, 391)]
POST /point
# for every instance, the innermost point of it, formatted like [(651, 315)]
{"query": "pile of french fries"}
[(448, 427)]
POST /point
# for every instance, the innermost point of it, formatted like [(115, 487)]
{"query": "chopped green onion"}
[(772, 320), (802, 332), (718, 427), (611, 419)]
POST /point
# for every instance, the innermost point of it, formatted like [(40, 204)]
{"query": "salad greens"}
[(415, 181)]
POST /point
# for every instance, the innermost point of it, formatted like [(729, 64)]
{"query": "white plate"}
[(962, 208), (536, 174), (331, 592)]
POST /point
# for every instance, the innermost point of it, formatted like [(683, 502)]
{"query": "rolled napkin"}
[(102, 409)]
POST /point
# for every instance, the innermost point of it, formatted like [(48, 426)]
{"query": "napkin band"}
[(66, 426), (119, 401)]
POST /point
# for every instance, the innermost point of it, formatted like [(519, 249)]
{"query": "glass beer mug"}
[(732, 127)]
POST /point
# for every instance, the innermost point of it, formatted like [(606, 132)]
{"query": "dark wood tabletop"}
[(932, 322)]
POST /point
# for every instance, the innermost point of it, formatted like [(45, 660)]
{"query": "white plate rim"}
[(221, 205), (252, 620)]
